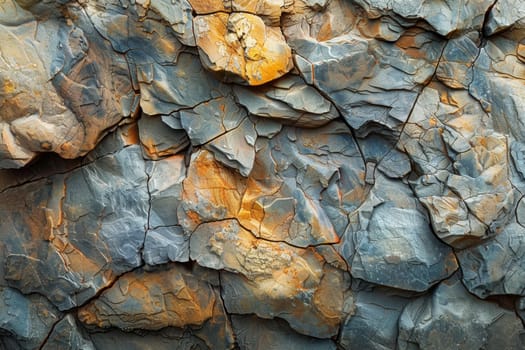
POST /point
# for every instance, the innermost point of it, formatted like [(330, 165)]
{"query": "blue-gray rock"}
[(159, 141), (164, 244), (450, 316), (90, 226), (389, 241), (288, 100), (165, 239), (27, 320), (374, 322), (462, 166), (236, 148), (211, 119), (179, 15), (455, 66), (504, 14), (67, 334), (373, 83), (446, 17), (169, 87), (224, 129), (498, 74), (496, 266)]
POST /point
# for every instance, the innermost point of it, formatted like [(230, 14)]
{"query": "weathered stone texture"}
[(267, 174)]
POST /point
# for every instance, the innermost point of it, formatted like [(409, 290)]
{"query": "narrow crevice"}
[(82, 164), (226, 312), (109, 286), (148, 219), (46, 339), (483, 32)]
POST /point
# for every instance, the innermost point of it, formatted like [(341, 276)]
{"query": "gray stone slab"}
[(259, 334), (449, 317), (496, 266)]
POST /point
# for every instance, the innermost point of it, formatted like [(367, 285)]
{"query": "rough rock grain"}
[(270, 174)]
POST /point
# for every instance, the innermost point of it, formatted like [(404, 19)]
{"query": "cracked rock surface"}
[(267, 174)]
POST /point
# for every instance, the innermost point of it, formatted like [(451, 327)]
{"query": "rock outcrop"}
[(267, 174)]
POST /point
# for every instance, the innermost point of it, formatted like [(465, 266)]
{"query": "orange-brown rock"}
[(295, 284), (240, 48), (153, 300)]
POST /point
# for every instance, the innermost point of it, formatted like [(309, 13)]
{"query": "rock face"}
[(269, 174)]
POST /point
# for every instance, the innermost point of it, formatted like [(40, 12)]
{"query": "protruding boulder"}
[(62, 100), (240, 48)]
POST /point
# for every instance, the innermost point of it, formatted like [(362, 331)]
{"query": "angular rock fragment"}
[(449, 317), (167, 88), (288, 100), (455, 65), (462, 164), (498, 79), (26, 319), (503, 15), (240, 48), (159, 141), (389, 241), (445, 17), (374, 323), (259, 334), (304, 186), (165, 244), (224, 129), (211, 119), (210, 192), (496, 266), (165, 240), (236, 148), (179, 16)]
